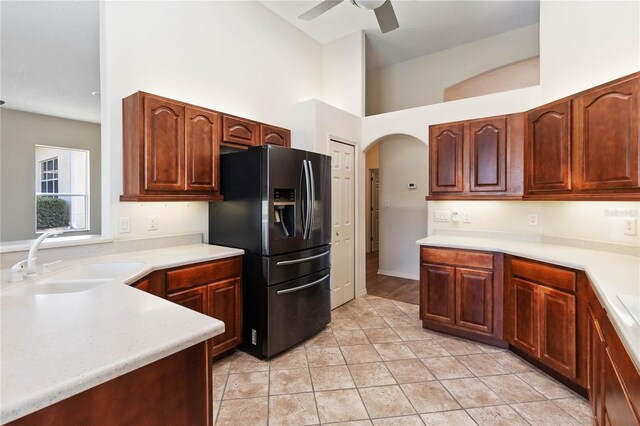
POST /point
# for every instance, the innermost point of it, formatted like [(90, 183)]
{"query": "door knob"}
[(337, 234)]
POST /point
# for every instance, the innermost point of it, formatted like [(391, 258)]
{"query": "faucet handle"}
[(17, 270)]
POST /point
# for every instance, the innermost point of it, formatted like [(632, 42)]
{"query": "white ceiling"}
[(50, 57), (426, 26)]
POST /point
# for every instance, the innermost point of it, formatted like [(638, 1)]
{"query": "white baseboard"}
[(398, 274)]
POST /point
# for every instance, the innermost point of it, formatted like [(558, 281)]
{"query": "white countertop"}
[(54, 346), (611, 274)]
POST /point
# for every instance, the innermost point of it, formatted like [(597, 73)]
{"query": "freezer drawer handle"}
[(302, 287), (304, 259)]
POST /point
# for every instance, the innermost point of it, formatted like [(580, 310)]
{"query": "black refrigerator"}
[(277, 207)]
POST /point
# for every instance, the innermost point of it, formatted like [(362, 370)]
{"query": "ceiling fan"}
[(383, 9)]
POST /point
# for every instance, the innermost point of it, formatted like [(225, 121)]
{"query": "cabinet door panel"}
[(487, 155), (474, 299), (238, 131), (225, 304), (437, 292), (595, 370), (525, 315), (445, 158), (548, 149), (203, 149), (195, 299), (164, 145), (274, 136), (607, 137), (558, 330), (618, 409)]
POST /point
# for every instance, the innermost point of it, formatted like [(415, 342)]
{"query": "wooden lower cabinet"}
[(461, 293), (525, 316), (438, 293), (543, 319), (474, 299), (195, 299), (175, 390), (552, 318), (614, 381), (225, 303), (558, 330), (211, 288)]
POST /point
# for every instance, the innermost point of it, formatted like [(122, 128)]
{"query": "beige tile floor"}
[(375, 365)]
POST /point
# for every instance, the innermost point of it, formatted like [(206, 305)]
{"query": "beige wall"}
[(232, 56), (422, 81), (19, 134), (403, 211)]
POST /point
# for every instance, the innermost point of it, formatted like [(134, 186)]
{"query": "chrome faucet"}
[(16, 270)]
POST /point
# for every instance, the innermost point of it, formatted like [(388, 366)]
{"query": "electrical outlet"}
[(630, 226), (124, 225), (441, 216), (533, 219), (152, 223)]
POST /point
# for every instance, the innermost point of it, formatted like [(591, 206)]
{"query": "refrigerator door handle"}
[(307, 210), (312, 203), (302, 287), (304, 259)]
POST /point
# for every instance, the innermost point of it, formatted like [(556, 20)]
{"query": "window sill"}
[(70, 241)]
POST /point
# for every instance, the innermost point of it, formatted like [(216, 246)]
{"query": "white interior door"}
[(375, 206), (342, 220)]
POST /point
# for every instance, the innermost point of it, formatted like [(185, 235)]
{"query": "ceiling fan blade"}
[(386, 17), (318, 10)]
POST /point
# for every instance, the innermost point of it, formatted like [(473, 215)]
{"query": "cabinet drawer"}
[(457, 257), (551, 276), (203, 273)]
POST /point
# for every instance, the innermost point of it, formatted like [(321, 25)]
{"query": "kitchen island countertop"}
[(54, 346)]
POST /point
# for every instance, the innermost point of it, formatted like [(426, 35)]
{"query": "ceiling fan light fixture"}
[(368, 4)]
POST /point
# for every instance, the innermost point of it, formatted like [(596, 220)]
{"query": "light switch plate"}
[(124, 225), (152, 223)]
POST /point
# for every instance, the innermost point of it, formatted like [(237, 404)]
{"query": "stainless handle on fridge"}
[(302, 287), (307, 212), (304, 259), (312, 199)]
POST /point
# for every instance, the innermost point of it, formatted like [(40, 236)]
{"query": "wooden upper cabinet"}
[(488, 155), (170, 150), (240, 131), (271, 135), (202, 149), (163, 145), (474, 299), (548, 149), (445, 158), (606, 138), (478, 159)]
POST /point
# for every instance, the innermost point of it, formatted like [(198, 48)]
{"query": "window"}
[(49, 176), (62, 188)]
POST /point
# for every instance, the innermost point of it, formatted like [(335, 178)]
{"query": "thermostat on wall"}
[(412, 186)]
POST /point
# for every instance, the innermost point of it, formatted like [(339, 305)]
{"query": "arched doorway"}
[(396, 215)]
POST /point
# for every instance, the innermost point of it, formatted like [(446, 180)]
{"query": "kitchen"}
[(316, 90)]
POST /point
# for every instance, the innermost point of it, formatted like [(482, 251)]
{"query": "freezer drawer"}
[(278, 269), (296, 311)]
